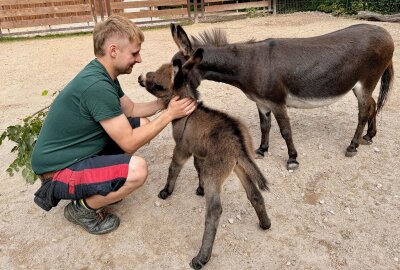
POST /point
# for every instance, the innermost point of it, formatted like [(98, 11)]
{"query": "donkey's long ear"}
[(194, 60), (181, 39), (178, 78)]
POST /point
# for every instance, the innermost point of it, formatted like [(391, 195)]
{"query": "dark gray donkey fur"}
[(219, 145), (299, 72)]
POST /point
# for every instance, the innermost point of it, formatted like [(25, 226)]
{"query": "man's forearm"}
[(144, 134), (147, 108)]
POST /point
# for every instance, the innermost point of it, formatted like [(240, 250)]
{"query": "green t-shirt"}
[(71, 131)]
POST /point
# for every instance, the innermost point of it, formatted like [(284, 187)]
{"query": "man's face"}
[(127, 55)]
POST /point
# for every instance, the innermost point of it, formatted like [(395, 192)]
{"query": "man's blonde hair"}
[(115, 26)]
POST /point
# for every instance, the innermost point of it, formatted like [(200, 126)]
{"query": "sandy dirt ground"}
[(332, 213)]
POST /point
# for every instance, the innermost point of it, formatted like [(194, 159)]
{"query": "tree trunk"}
[(372, 16)]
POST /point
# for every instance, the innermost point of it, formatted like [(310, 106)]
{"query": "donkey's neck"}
[(222, 64)]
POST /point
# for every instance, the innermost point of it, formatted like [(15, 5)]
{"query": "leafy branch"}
[(24, 136)]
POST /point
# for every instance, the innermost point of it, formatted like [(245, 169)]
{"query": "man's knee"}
[(138, 172)]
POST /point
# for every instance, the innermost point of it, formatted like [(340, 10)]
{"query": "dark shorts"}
[(100, 174), (95, 175)]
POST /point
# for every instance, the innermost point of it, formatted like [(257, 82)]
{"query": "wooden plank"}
[(214, 1), (217, 8), (30, 2), (155, 13), (229, 1), (44, 10), (45, 22), (151, 3)]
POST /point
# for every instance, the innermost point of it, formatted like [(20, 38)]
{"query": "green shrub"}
[(24, 136)]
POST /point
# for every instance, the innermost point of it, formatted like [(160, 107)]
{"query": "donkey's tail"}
[(386, 85), (252, 171)]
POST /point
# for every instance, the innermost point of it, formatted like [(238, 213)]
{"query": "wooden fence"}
[(52, 14), (30, 13), (224, 5)]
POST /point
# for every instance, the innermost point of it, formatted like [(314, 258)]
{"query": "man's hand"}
[(178, 108)]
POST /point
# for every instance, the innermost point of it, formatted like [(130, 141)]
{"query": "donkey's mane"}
[(215, 37)]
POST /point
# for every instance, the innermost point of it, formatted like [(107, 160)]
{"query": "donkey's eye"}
[(158, 87)]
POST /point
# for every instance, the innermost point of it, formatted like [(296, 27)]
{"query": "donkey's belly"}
[(310, 103)]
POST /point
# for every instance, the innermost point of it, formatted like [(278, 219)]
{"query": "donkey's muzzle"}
[(141, 80)]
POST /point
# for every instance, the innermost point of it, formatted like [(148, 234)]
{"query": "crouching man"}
[(84, 152)]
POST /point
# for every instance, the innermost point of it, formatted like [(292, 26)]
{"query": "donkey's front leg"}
[(265, 126), (179, 158), (198, 164), (282, 118), (213, 214)]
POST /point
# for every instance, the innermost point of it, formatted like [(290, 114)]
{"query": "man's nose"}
[(138, 59)]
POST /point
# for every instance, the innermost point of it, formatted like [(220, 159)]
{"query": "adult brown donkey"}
[(299, 72), (219, 144)]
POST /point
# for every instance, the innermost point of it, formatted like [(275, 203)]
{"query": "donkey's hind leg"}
[(179, 158), (364, 107), (198, 164), (265, 126), (371, 132), (254, 196), (282, 118), (213, 213)]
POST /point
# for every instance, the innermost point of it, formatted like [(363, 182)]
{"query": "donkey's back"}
[(317, 71)]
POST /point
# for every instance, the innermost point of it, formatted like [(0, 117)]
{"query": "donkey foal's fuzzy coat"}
[(218, 143)]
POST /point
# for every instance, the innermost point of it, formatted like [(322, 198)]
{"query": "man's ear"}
[(181, 39), (112, 50), (178, 74), (194, 60)]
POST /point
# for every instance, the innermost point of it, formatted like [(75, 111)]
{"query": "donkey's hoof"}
[(351, 152), (163, 194), (265, 225), (366, 140), (200, 191), (292, 164), (259, 154), (197, 263)]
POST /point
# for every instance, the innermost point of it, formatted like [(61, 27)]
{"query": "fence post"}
[(93, 7), (101, 9), (274, 3), (108, 7), (188, 9), (196, 20)]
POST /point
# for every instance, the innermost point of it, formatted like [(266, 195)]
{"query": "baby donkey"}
[(218, 143)]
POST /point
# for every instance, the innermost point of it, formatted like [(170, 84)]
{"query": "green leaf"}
[(44, 93), (25, 173), (9, 171), (2, 137)]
